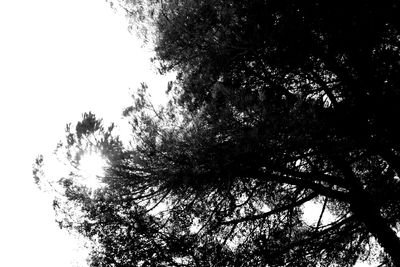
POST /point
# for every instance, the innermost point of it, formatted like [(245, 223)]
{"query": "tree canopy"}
[(275, 104)]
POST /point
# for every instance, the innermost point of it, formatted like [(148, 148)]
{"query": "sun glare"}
[(92, 167)]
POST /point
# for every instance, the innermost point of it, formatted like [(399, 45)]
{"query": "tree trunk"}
[(367, 212)]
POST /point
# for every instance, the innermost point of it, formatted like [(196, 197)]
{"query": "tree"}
[(277, 103)]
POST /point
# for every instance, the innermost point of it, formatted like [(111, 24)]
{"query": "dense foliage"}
[(276, 104)]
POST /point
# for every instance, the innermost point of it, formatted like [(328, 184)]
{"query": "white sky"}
[(58, 59)]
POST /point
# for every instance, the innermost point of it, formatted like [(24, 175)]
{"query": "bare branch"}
[(272, 212)]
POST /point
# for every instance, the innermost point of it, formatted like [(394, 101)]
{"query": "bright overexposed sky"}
[(58, 59)]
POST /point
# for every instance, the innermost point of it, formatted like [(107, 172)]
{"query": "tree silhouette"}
[(277, 103)]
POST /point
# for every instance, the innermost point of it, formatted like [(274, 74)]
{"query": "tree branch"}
[(314, 176), (272, 212), (318, 188)]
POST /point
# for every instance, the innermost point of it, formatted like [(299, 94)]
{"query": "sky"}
[(58, 59)]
